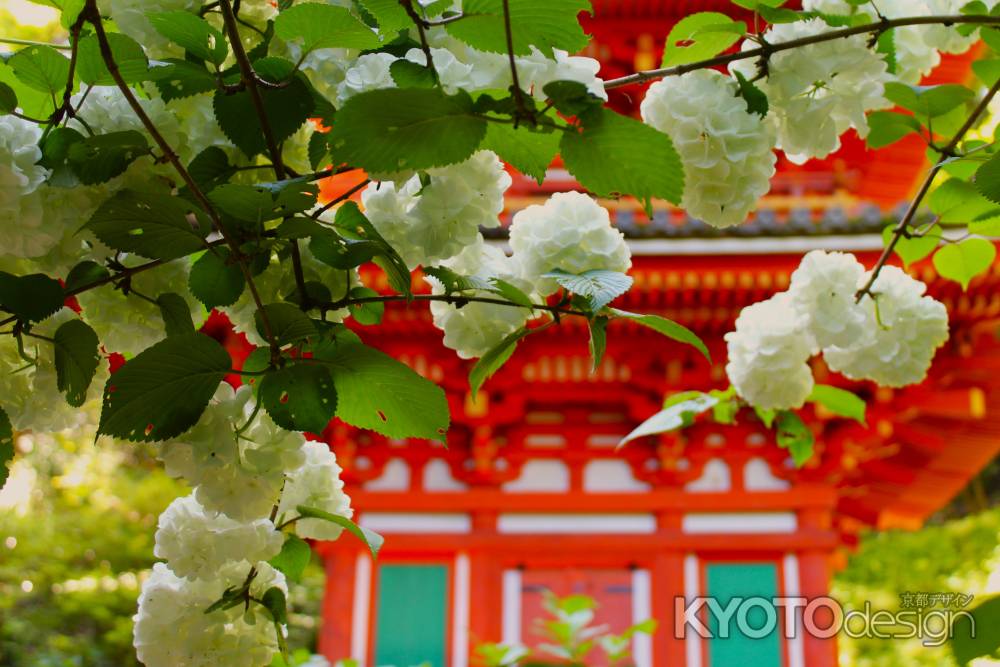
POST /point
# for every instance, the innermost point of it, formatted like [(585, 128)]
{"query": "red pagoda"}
[(530, 493)]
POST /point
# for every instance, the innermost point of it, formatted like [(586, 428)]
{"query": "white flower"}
[(131, 18), (540, 71), (129, 323), (901, 334), (21, 215), (173, 630), (240, 477), (197, 543), (429, 223), (818, 92), (822, 291), (196, 118), (326, 69), (316, 484), (369, 72), (452, 72), (476, 328), (726, 150), (30, 393), (768, 355), (570, 232)]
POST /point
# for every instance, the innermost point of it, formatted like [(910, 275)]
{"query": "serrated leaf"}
[(839, 401), (615, 155), (286, 108), (492, 361), (599, 286), (598, 341), (396, 129), (8, 99), (77, 357), (408, 74), (318, 150), (30, 298), (928, 101), (177, 79), (528, 151), (668, 328), (793, 434), (6, 446), (41, 68), (965, 260), (678, 411), (324, 27), (700, 36), (128, 55), (511, 292), (987, 179), (915, 248), (389, 14), (152, 225), (163, 391), (299, 397), (100, 158), (888, 127), (755, 98), (176, 314), (192, 33), (544, 25), (352, 224), (453, 282), (369, 313), (215, 280), (572, 98), (288, 323), (211, 168), (371, 539), (31, 101), (85, 273), (379, 393), (293, 558)]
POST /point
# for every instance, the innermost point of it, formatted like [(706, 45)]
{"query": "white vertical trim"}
[(796, 649), (511, 607), (362, 606), (692, 585), (460, 615), (642, 644)]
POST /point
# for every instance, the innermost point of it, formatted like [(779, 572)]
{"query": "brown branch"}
[(422, 26), (901, 229), (522, 108), (94, 17), (447, 298), (330, 204), (764, 51)]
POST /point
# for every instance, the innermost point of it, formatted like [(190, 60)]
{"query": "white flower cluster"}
[(727, 151), (437, 220), (818, 92), (316, 484), (890, 339)]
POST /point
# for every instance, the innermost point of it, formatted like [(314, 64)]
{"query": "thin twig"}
[(522, 108), (425, 46), (333, 202), (448, 298)]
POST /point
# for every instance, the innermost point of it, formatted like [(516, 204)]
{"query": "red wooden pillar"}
[(667, 584), (338, 600)]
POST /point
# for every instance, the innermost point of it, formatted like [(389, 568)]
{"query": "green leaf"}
[(299, 397), (176, 314), (352, 224), (293, 558), (192, 33), (958, 201), (754, 97), (598, 341), (8, 99), (965, 260), (987, 179), (395, 129), (177, 79), (678, 411), (163, 391), (274, 601), (216, 280), (668, 328), (616, 155), (572, 98), (766, 415), (599, 286), (408, 74), (389, 14), (55, 155), (100, 158), (366, 313), (324, 27), (152, 225), (988, 71), (129, 56), (453, 282), (85, 273), (210, 168), (928, 101), (975, 637), (319, 149), (839, 401), (286, 108), (77, 357), (915, 248), (288, 323), (888, 127), (41, 68), (6, 446), (544, 25), (245, 202), (511, 292), (529, 152), (32, 102), (793, 434), (700, 36), (492, 361), (378, 393), (371, 539), (30, 298)]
